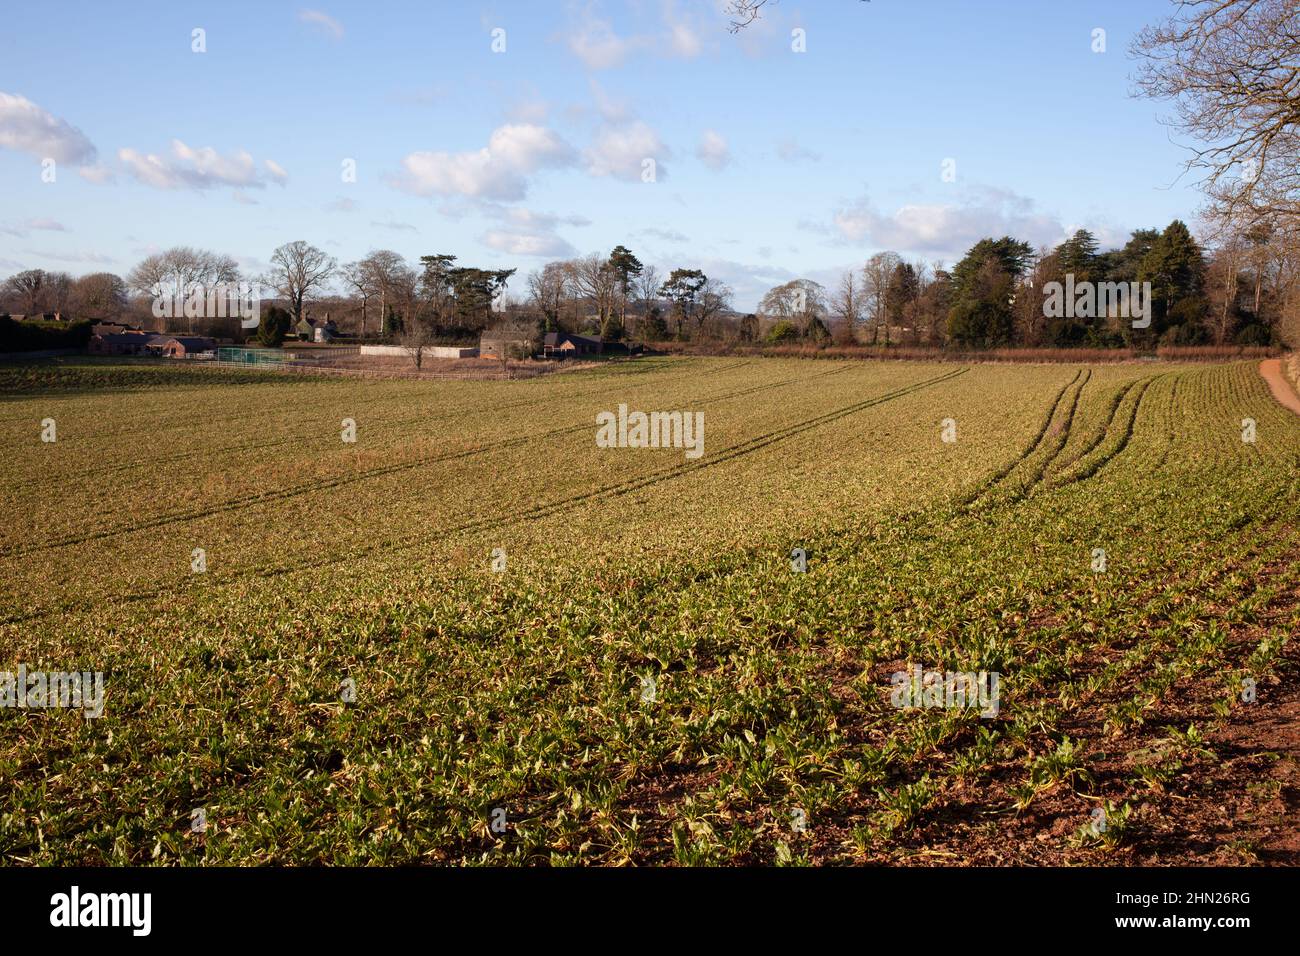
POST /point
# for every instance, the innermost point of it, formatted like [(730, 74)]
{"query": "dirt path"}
[(1271, 369)]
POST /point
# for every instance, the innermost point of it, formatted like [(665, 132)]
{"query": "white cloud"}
[(202, 168), (610, 109), (96, 258), (713, 151), (594, 40), (791, 152), (43, 224), (498, 171), (665, 235), (324, 21), (536, 220), (342, 204), (394, 225), (947, 228), (96, 174), (684, 36), (276, 170), (527, 233), (518, 243), (748, 282), (620, 151), (26, 128)]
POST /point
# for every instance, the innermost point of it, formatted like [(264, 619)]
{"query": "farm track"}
[(1061, 440), (1090, 469), (1257, 543), (975, 499), (1052, 472), (364, 474), (530, 514), (1092, 445)]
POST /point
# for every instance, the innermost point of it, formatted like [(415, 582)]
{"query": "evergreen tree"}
[(273, 326), (1012, 255), (627, 267), (1078, 255), (983, 287), (1174, 266), (981, 316), (904, 288)]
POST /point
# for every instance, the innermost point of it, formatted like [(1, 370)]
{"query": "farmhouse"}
[(149, 343), (316, 330), (181, 346), (564, 345)]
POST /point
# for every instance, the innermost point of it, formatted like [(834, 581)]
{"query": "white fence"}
[(430, 351)]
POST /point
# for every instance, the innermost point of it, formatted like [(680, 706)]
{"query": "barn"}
[(564, 345), (122, 343), (182, 346)]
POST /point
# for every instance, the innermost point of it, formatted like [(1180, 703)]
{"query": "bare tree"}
[(356, 278), (714, 299), (800, 299), (181, 273), (1027, 309), (595, 279), (548, 291), (518, 340), (847, 308), (744, 12), (1232, 68), (27, 288), (100, 296), (298, 268), (387, 275), (647, 288), (417, 335), (1222, 281), (875, 288)]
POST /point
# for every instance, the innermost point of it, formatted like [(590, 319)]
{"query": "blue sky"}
[(770, 164)]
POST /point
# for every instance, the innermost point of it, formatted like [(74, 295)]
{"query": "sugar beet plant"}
[(470, 635)]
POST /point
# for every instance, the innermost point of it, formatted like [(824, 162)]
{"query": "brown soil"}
[(1271, 369)]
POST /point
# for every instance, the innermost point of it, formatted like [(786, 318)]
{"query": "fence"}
[(232, 356), (364, 362)]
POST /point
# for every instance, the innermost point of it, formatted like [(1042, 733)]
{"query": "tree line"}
[(1245, 290)]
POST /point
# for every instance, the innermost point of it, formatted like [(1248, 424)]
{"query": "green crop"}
[(649, 680)]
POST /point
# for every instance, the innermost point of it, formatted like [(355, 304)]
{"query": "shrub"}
[(18, 336), (274, 326), (783, 331)]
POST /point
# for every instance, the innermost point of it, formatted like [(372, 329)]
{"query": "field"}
[(649, 680)]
